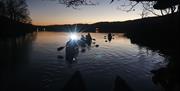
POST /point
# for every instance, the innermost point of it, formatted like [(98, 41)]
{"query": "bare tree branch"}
[(132, 6), (147, 6), (75, 3), (128, 7)]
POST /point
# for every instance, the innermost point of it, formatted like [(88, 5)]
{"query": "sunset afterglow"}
[(44, 12)]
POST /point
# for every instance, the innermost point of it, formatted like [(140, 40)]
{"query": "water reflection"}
[(14, 56), (168, 77), (104, 66), (76, 83), (73, 47), (13, 48)]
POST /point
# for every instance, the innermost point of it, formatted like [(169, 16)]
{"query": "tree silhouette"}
[(168, 6), (15, 10), (164, 6)]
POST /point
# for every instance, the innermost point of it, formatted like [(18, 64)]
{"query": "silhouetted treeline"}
[(101, 26), (168, 23), (158, 33), (14, 18), (65, 28), (10, 28), (172, 5)]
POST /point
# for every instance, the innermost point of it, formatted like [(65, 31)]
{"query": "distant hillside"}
[(167, 22)]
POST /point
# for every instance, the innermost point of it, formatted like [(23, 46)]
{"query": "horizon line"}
[(83, 23)]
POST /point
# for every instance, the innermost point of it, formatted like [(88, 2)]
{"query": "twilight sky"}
[(44, 12)]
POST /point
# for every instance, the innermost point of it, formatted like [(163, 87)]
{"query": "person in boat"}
[(82, 41), (88, 39), (72, 50), (109, 37), (83, 38)]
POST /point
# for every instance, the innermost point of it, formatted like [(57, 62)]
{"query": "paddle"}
[(60, 48)]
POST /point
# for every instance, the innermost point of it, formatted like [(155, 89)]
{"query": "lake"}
[(33, 63)]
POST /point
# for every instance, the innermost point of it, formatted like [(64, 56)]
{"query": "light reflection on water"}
[(98, 65)]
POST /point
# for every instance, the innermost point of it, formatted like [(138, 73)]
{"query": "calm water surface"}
[(38, 68)]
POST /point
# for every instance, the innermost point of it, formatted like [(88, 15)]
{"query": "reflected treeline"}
[(166, 42), (162, 36), (168, 77), (10, 47), (14, 52)]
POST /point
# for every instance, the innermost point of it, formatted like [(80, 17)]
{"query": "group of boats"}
[(73, 45)]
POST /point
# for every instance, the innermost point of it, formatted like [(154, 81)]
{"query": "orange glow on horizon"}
[(51, 13), (82, 21)]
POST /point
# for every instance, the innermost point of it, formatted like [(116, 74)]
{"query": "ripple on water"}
[(98, 66)]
